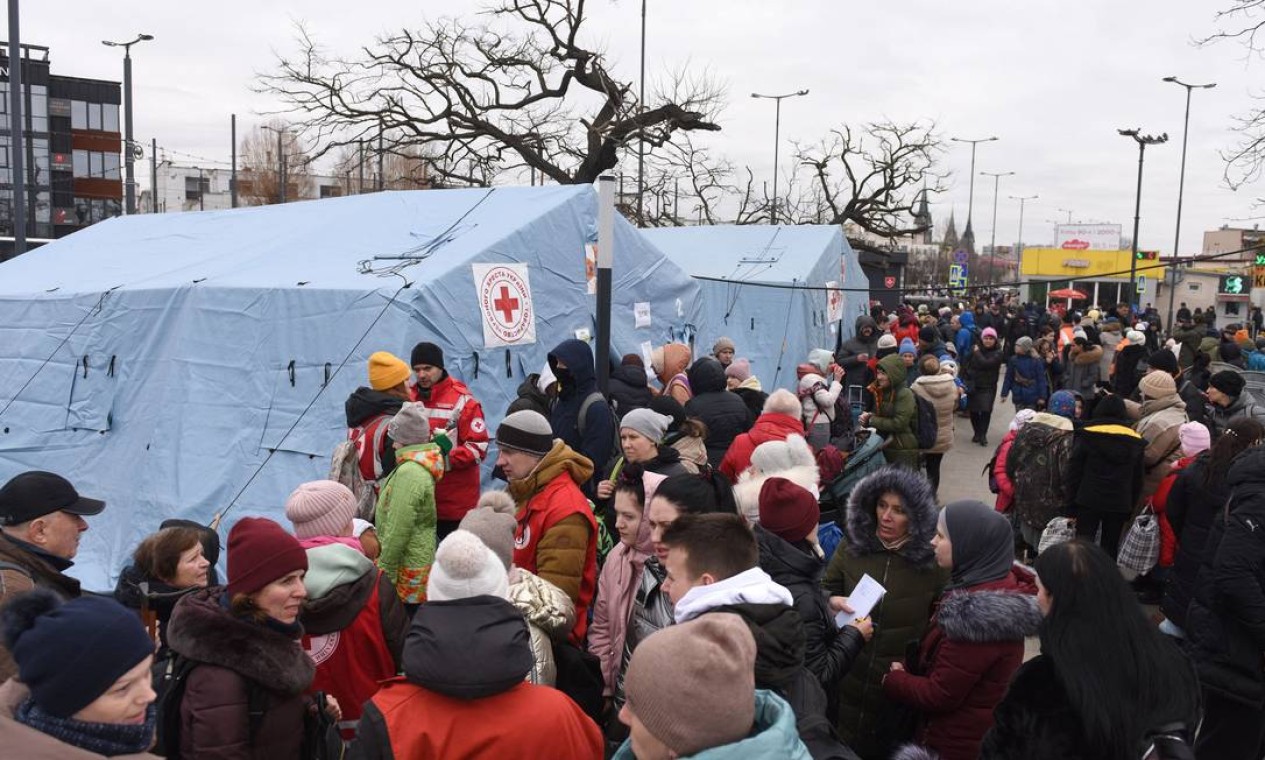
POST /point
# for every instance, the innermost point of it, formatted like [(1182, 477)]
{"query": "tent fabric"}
[(774, 327), (184, 346)]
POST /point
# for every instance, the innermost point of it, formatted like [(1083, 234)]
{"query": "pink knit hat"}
[(321, 508), (988, 333), (739, 369)]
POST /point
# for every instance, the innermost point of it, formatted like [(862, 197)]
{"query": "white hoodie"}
[(752, 586)]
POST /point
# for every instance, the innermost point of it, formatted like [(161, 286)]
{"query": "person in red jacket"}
[(556, 537), (975, 641), (1005, 486), (451, 407), (780, 419)]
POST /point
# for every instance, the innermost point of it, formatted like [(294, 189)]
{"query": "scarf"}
[(107, 739), (983, 542), (894, 546)]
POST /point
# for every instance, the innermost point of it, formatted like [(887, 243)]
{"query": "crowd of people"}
[(657, 578)]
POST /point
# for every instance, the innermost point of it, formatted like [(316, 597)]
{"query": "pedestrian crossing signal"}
[(1148, 255), (1260, 259)]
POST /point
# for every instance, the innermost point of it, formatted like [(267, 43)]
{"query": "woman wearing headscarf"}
[(975, 641)]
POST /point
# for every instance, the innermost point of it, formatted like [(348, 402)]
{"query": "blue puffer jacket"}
[(1256, 361), (773, 736), (1025, 379), (966, 335)]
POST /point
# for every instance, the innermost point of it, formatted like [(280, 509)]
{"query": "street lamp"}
[(1181, 186), (1142, 141), (970, 199), (777, 127), (281, 162), (993, 245), (1019, 243), (641, 107), (129, 185)]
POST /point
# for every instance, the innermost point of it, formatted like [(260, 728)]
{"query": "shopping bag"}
[(1057, 531), (1140, 549)]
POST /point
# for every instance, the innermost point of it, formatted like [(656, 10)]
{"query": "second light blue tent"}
[(777, 291)]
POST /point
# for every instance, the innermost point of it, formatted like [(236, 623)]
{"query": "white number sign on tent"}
[(504, 291)]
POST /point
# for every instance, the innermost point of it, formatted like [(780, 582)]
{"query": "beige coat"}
[(1161, 422), (942, 392), (19, 741)]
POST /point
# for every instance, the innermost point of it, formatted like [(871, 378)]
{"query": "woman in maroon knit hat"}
[(245, 637)]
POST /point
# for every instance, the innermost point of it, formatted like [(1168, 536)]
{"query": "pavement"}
[(961, 473)]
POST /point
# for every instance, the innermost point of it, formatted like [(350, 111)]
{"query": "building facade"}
[(182, 187)]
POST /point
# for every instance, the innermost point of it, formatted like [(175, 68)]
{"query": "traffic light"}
[(1148, 255)]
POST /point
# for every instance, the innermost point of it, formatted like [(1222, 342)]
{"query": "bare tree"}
[(688, 184), (1243, 22), (403, 168), (517, 90), (259, 181)]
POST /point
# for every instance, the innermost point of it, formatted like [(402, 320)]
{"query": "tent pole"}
[(605, 256)]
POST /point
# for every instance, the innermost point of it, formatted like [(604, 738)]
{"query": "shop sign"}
[(1076, 263)]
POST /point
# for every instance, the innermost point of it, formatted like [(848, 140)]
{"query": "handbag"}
[(1057, 531), (321, 739), (1140, 549)]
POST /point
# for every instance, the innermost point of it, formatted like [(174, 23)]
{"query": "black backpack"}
[(928, 423), (596, 397), (171, 677)]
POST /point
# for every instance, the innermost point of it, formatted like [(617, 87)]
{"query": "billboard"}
[(1087, 237)]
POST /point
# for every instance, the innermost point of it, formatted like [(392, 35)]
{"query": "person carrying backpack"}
[(895, 412), (581, 417), (364, 460), (818, 396)]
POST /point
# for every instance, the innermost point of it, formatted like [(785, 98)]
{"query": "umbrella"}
[(1067, 293)]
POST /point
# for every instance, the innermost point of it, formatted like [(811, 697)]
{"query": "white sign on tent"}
[(509, 317), (834, 302)]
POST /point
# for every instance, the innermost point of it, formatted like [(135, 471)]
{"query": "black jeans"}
[(1231, 730), (1112, 523), (980, 422), (933, 470)]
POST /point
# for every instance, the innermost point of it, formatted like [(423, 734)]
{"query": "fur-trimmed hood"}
[(747, 489), (202, 629), (979, 617), (860, 528)]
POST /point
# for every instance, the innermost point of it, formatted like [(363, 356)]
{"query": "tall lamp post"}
[(641, 107), (1181, 186), (777, 127), (129, 156), (993, 245), (281, 162), (1142, 141), (970, 198), (1019, 243)]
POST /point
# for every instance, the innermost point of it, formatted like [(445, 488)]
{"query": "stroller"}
[(866, 457)]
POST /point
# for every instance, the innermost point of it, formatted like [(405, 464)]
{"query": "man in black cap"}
[(1228, 401), (41, 517)]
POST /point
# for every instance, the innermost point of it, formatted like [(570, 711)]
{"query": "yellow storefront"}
[(1103, 276)]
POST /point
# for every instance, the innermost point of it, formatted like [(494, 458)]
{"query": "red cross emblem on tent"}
[(506, 304)]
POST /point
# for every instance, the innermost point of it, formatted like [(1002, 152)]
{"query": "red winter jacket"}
[(458, 492), (1005, 488), (1159, 503), (968, 655), (767, 427)]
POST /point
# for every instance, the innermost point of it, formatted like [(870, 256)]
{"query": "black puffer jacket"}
[(1192, 505), (1226, 620), (829, 650), (530, 397), (981, 378), (628, 389), (1125, 381), (724, 414), (1106, 467)]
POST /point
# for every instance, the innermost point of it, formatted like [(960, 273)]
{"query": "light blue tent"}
[(158, 360), (774, 327)]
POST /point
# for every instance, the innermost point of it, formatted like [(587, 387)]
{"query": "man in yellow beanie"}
[(369, 409)]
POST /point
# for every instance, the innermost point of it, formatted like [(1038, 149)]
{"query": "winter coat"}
[(750, 483), (1026, 382), (1159, 426), (39, 570), (1125, 379), (973, 646), (617, 588), (854, 370), (767, 427), (913, 581), (1005, 486), (463, 694), (772, 736), (651, 612), (752, 395), (158, 597), (968, 335), (22, 741), (817, 397), (1105, 470), (1226, 620), (556, 536), (1038, 465), (628, 390), (367, 408), (829, 650), (1193, 504), (450, 407), (1219, 417), (550, 615), (354, 627), (530, 397), (1189, 339), (1081, 374), (234, 651), (895, 414), (406, 519), (980, 373), (1110, 337), (724, 414), (596, 443), (671, 374), (1159, 502), (942, 392)]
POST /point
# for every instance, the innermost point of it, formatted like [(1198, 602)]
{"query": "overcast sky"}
[(1052, 79)]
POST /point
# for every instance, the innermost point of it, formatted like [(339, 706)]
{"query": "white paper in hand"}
[(867, 593)]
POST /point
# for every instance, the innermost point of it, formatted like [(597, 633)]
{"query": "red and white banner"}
[(504, 292)]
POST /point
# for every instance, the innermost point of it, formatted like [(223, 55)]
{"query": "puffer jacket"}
[(1026, 382), (407, 519), (942, 391), (980, 373), (817, 397), (895, 414), (22, 741), (1194, 502), (1220, 417), (596, 442), (530, 397), (550, 615), (1105, 469), (1038, 465), (724, 414), (772, 735), (629, 389), (1161, 420), (1082, 373), (767, 427), (855, 370), (913, 581), (652, 611)]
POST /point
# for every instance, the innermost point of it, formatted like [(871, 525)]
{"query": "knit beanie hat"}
[(739, 369), (70, 653), (886, 340), (493, 522), (1062, 403), (465, 567), (787, 509), (1135, 337), (1163, 360), (527, 431), (1194, 437), (723, 344), (260, 552), (410, 426), (693, 685), (1022, 417), (989, 333), (907, 346), (1157, 384), (647, 422), (1228, 382), (386, 371), (321, 508), (428, 353)]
